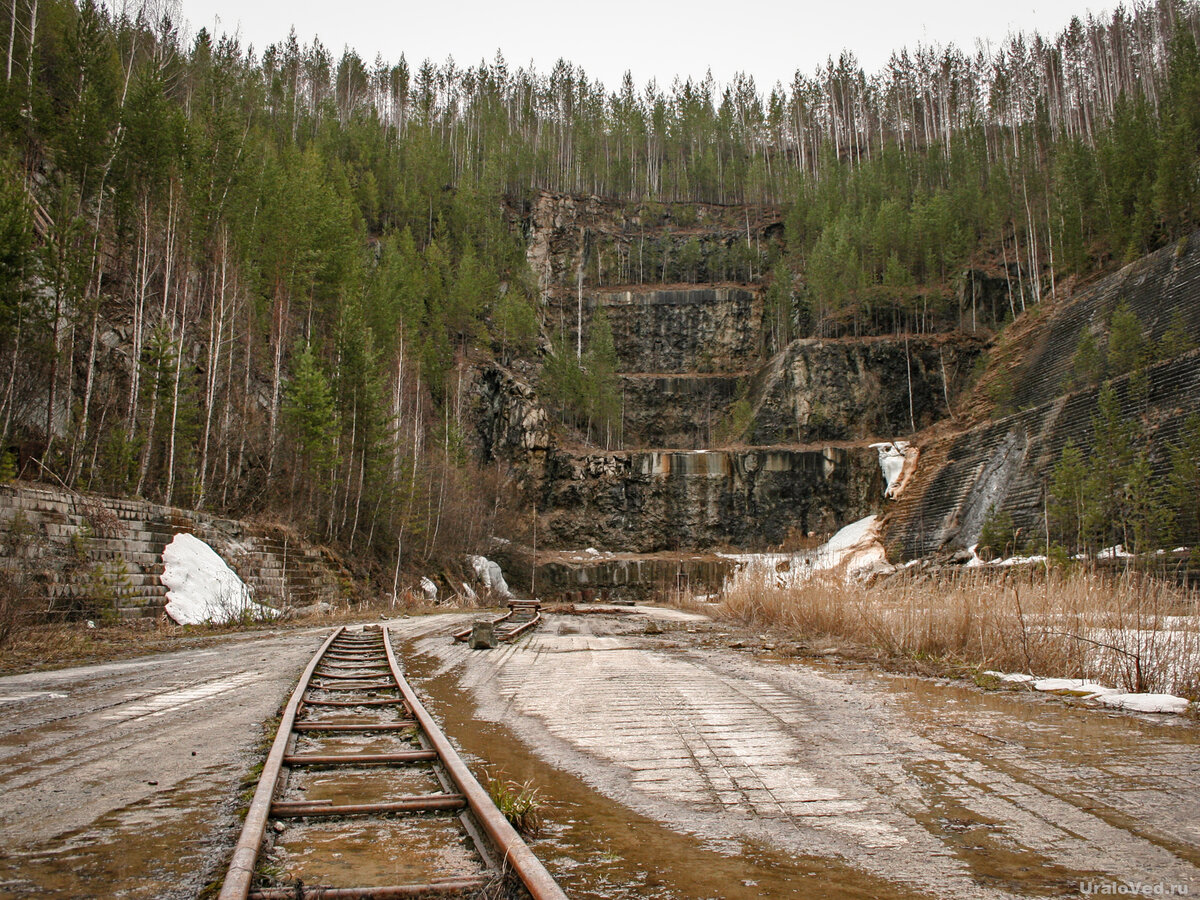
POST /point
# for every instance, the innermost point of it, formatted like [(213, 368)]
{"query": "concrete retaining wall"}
[(81, 554)]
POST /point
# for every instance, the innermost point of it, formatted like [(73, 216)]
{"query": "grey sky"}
[(769, 40)]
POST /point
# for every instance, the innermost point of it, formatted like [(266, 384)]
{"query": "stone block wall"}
[(86, 555)]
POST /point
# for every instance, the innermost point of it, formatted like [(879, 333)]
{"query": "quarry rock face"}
[(722, 447), (749, 499), (683, 330), (821, 390), (680, 411), (508, 416), (692, 377)]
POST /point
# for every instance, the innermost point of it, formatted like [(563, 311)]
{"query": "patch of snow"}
[(592, 551), (468, 592), (1022, 560), (1147, 703), (847, 539), (856, 549), (490, 575), (1013, 677), (201, 588), (1117, 552), (1073, 685), (429, 589), (892, 458)]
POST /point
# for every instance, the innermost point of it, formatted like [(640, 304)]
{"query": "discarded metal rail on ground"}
[(522, 616), (353, 687)]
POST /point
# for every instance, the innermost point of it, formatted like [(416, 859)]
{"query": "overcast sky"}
[(767, 39)]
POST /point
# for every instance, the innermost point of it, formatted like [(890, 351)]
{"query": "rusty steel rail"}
[(501, 850), (515, 851), (511, 634), (245, 854)]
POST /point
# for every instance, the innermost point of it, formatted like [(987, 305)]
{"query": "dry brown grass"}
[(1130, 632)]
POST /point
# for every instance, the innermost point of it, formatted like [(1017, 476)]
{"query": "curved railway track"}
[(359, 765), (522, 616)]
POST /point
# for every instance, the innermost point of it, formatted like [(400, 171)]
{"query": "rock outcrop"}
[(750, 499), (508, 416), (837, 390)]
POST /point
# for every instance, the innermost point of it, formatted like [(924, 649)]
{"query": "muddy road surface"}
[(121, 779), (670, 765)]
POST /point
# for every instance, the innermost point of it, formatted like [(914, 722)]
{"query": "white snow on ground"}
[(429, 589), (977, 560), (201, 588), (856, 549), (1014, 677), (1072, 685), (491, 576), (1147, 703), (1106, 696)]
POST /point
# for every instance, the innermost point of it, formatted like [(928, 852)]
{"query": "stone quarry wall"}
[(686, 411), (614, 242), (875, 388), (85, 555), (1007, 462), (646, 501), (682, 329)]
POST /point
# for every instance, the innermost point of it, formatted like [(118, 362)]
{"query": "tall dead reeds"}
[(1128, 631)]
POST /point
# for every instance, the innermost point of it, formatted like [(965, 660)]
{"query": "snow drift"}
[(202, 589)]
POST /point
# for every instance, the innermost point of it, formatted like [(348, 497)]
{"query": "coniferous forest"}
[(251, 279)]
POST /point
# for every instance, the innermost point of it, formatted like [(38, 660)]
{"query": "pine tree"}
[(1127, 345)]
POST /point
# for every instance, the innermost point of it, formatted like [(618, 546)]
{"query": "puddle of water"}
[(347, 786), (369, 853), (1123, 769), (157, 848), (982, 843), (598, 849), (1039, 721), (390, 742)]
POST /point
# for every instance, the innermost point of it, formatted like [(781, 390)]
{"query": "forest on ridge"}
[(256, 280)]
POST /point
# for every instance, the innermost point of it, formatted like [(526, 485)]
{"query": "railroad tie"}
[(297, 760), (316, 809), (350, 728), (385, 892)]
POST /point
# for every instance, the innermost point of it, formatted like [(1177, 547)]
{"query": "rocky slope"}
[(1006, 460), (721, 448)]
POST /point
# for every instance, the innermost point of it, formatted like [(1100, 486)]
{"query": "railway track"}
[(522, 616), (363, 797)]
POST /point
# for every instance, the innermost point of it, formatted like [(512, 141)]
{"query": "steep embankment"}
[(84, 555), (1007, 461)]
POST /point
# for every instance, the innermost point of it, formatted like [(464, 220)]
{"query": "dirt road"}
[(122, 777), (796, 780), (671, 766)]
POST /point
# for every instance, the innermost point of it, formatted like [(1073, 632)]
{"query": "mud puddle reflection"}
[(598, 849), (160, 847)]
